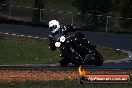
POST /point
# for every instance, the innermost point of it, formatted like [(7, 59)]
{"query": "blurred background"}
[(88, 15)]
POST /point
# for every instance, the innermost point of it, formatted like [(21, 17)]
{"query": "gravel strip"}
[(45, 75)]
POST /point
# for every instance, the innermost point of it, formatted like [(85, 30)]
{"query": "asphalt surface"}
[(118, 41), (112, 40), (24, 30)]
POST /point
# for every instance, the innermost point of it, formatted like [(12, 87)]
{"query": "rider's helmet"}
[(54, 26)]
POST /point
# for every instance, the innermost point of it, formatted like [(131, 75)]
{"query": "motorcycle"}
[(76, 49)]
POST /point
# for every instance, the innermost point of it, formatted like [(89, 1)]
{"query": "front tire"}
[(52, 46), (63, 62), (77, 61)]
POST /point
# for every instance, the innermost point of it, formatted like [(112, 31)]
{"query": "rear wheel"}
[(98, 60)]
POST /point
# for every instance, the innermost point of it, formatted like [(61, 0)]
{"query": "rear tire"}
[(98, 63), (99, 60)]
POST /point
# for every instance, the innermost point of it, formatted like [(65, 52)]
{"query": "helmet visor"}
[(53, 27)]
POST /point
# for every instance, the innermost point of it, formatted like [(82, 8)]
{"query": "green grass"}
[(63, 5), (21, 50), (61, 84), (26, 51), (111, 54)]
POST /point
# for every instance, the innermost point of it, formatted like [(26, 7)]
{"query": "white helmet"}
[(54, 26)]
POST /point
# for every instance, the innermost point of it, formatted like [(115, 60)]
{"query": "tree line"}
[(95, 7), (121, 7)]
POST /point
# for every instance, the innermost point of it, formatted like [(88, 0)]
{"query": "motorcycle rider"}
[(57, 31), (55, 27)]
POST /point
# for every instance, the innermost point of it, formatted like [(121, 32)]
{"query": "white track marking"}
[(7, 33), (13, 34)]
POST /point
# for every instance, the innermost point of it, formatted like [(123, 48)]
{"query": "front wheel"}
[(52, 46), (63, 62), (77, 61)]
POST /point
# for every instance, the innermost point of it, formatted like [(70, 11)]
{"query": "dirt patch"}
[(16, 75), (45, 75)]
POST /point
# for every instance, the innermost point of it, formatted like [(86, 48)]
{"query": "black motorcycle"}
[(76, 49)]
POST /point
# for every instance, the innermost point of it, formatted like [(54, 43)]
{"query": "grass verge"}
[(61, 84), (16, 50), (22, 50), (112, 54)]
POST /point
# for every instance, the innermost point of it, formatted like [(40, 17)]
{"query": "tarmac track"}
[(120, 41), (117, 41)]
